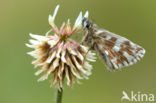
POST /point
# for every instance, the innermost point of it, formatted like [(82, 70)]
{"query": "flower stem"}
[(59, 96)]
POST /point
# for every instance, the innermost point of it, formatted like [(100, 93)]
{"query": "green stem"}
[(59, 96)]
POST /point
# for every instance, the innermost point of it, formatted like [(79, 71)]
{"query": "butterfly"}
[(116, 51)]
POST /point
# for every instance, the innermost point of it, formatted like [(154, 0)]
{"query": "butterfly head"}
[(86, 23)]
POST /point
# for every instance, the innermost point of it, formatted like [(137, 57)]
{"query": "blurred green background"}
[(134, 19)]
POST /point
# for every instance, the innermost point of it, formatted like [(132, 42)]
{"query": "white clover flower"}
[(61, 56)]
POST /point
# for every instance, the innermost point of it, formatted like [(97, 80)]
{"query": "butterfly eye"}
[(88, 25)]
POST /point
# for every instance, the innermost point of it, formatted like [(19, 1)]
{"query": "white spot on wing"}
[(116, 48), (137, 58), (141, 55), (132, 44), (120, 65), (143, 51), (108, 37), (106, 52), (126, 54), (129, 57), (134, 60), (114, 59), (125, 63), (130, 63), (119, 42), (99, 31), (115, 66), (134, 51)]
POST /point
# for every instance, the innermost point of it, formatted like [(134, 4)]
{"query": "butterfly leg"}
[(87, 53), (90, 48)]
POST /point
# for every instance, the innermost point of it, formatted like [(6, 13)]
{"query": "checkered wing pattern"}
[(116, 51)]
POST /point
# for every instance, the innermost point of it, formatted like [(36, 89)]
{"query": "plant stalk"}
[(59, 96)]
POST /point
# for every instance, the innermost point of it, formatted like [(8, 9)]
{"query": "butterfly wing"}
[(105, 58), (116, 51)]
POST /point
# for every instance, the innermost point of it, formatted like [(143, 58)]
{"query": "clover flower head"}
[(60, 56)]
